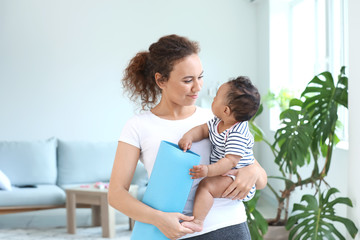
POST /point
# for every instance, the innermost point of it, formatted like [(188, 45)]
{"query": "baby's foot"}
[(196, 225)]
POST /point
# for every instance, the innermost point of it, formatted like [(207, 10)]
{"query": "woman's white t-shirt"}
[(146, 130)]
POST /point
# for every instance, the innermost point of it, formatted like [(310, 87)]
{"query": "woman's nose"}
[(197, 85)]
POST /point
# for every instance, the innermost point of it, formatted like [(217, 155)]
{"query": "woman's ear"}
[(158, 80)]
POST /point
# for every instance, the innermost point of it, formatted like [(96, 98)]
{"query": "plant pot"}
[(276, 233)]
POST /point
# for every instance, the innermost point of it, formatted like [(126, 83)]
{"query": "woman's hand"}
[(245, 179), (170, 226)]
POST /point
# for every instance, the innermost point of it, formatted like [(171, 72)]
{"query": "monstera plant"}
[(306, 138)]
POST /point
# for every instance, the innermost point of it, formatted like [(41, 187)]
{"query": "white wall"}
[(354, 112), (344, 173), (61, 61)]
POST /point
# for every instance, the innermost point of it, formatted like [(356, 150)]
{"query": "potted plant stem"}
[(306, 138)]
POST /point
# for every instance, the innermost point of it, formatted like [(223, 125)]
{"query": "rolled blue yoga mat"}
[(168, 188)]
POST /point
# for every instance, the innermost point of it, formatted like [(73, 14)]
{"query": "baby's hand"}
[(199, 171), (185, 143)]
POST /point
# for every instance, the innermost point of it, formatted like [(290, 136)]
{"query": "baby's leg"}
[(208, 189)]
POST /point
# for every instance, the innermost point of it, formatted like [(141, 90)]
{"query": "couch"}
[(40, 171)]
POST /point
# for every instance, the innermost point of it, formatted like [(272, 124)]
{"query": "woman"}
[(171, 70)]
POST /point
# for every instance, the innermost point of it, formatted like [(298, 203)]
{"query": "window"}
[(307, 37)]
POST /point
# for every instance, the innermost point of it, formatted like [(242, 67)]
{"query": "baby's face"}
[(219, 103)]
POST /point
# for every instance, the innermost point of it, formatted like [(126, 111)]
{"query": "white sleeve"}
[(130, 132)]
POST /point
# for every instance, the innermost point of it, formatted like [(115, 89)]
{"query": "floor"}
[(57, 217), (50, 219), (30, 223)]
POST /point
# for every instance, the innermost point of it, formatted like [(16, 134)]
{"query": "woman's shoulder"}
[(140, 115), (137, 119)]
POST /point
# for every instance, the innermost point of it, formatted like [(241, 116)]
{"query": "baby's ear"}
[(227, 111)]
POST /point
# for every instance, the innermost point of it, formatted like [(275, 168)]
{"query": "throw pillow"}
[(4, 182)]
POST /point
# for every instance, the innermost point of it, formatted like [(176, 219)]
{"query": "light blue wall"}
[(61, 61)]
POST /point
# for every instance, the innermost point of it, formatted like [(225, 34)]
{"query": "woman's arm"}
[(246, 177), (125, 163)]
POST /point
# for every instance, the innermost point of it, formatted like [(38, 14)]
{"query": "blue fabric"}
[(85, 162), (168, 188), (140, 179), (29, 162), (39, 196)]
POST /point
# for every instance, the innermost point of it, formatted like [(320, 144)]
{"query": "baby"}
[(235, 103)]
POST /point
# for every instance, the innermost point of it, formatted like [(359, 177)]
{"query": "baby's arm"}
[(217, 169), (193, 135)]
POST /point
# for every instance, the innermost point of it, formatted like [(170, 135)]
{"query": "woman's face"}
[(185, 81)]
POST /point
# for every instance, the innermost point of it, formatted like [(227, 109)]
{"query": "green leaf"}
[(256, 132), (295, 102), (341, 92), (332, 229), (254, 129), (350, 226), (315, 219), (259, 111), (261, 221), (330, 192), (293, 138), (291, 222), (258, 226), (344, 200), (321, 103), (311, 200), (297, 227), (299, 207)]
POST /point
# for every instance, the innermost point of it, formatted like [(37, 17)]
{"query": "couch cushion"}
[(140, 179), (41, 195), (85, 162), (29, 162)]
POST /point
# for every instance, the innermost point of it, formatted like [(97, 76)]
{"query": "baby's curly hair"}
[(243, 98)]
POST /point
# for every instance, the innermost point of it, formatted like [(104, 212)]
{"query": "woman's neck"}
[(173, 112)]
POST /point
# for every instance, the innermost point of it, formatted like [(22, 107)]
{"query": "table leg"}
[(95, 215), (71, 212), (107, 218)]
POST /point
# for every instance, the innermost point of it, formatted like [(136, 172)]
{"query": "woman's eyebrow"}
[(193, 76)]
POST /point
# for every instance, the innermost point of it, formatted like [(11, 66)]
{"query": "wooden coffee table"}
[(102, 213)]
